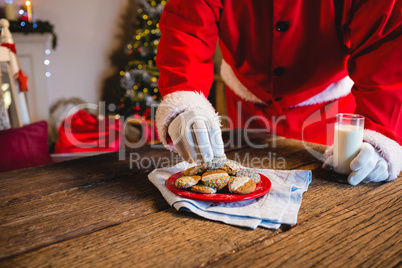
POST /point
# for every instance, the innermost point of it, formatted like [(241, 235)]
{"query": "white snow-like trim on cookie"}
[(174, 104), (389, 149)]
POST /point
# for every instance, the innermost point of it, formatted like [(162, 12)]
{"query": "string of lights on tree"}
[(139, 79)]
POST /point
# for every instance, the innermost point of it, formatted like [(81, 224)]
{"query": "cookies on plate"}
[(219, 175)]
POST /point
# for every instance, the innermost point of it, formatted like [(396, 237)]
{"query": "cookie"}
[(187, 181), (203, 189), (231, 167), (215, 178), (197, 170), (241, 185), (215, 163), (218, 182), (250, 173)]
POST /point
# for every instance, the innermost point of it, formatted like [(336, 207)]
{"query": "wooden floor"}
[(98, 212)]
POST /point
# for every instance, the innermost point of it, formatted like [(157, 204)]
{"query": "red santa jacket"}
[(287, 52)]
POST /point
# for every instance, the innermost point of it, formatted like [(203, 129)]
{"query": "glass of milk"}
[(347, 141)]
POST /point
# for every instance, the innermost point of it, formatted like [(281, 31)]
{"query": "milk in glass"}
[(347, 142)]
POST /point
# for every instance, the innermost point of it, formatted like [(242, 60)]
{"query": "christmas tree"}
[(139, 80)]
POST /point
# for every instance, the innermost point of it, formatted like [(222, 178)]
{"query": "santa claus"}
[(289, 67)]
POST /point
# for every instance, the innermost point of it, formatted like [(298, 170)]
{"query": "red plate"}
[(262, 188)]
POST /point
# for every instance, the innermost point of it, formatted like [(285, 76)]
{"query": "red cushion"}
[(24, 147)]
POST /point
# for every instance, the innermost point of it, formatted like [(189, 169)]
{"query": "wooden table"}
[(96, 211)]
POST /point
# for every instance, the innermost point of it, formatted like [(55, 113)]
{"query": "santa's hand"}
[(196, 136), (367, 166)]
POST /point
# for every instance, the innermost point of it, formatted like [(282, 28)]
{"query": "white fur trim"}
[(175, 103), (235, 85), (389, 149), (334, 91)]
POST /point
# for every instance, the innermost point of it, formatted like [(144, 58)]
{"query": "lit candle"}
[(10, 10), (29, 10)]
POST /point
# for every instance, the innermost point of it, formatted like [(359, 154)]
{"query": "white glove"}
[(368, 165), (196, 136)]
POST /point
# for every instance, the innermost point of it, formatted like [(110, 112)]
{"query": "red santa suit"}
[(291, 64)]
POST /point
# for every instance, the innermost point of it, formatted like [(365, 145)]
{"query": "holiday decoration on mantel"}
[(139, 93), (38, 26), (26, 23)]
